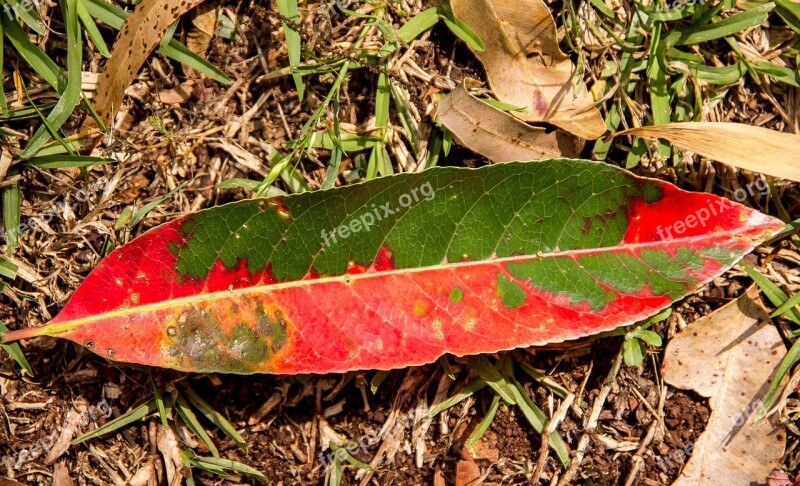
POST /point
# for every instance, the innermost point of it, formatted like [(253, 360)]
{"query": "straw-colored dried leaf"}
[(141, 33), (728, 356), (748, 147), (525, 66), (498, 135)]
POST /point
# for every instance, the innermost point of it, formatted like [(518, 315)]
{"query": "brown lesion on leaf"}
[(226, 336)]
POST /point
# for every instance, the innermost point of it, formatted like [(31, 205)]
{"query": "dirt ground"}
[(285, 419)]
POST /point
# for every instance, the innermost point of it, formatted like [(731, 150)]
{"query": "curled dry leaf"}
[(728, 356), (498, 135), (525, 66), (745, 146), (140, 34)]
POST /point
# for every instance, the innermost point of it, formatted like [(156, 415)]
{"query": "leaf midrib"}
[(67, 326)]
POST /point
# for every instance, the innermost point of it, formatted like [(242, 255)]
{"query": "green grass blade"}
[(288, 9), (544, 380), (12, 205), (332, 171), (788, 361), (418, 24), (182, 54), (228, 465), (461, 29), (783, 74), (13, 349), (128, 418), (789, 11), (26, 112), (31, 54), (482, 427), (27, 12), (491, 375), (92, 30), (724, 28), (160, 405), (236, 183), (348, 142), (141, 213), (7, 269), (190, 419), (382, 102), (345, 454), (402, 104), (538, 421), (3, 102), (721, 76), (107, 13), (214, 416), (659, 94), (787, 306), (63, 161), (72, 92), (376, 381), (462, 395), (773, 292)]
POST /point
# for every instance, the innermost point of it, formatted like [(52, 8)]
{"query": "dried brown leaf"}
[(525, 66), (498, 135), (201, 30), (729, 356), (745, 146), (467, 471), (140, 34)]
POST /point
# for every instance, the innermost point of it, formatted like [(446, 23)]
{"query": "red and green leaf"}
[(460, 261)]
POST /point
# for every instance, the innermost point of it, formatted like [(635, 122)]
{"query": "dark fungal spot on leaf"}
[(200, 341)]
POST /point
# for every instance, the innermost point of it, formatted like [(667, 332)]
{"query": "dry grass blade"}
[(745, 146), (525, 66), (497, 135), (140, 35), (728, 356)]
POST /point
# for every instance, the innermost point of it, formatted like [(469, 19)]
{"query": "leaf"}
[(728, 356), (400, 270), (731, 143), (141, 33), (497, 135), (115, 18), (525, 66)]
